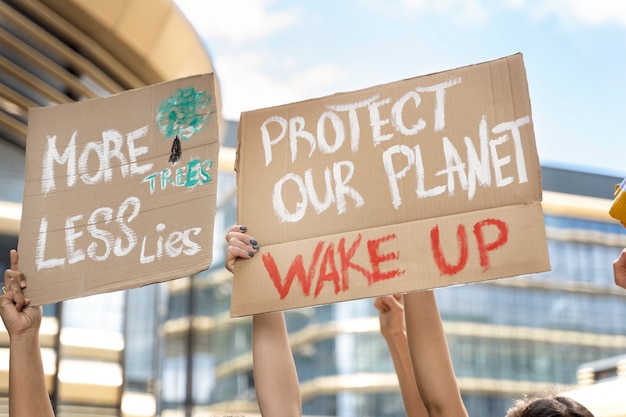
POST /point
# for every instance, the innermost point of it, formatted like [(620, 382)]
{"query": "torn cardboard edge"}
[(39, 297)]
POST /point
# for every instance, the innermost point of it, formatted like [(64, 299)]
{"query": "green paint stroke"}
[(184, 113)]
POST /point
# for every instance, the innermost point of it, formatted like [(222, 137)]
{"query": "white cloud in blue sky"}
[(272, 52)]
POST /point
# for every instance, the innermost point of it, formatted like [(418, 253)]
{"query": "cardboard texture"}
[(120, 191), (422, 183)]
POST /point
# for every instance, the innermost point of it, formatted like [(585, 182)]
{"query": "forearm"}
[(432, 365), (399, 350), (28, 395), (275, 375)]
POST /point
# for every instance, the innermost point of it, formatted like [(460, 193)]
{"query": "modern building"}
[(172, 350), (55, 52), (601, 386)]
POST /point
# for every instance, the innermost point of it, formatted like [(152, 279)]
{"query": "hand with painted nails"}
[(240, 245)]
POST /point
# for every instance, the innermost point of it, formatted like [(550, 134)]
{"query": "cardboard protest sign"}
[(421, 183), (120, 191)]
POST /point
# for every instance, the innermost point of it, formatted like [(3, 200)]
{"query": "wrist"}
[(395, 337), (26, 336)]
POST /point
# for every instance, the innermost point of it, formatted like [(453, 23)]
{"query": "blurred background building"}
[(171, 349)]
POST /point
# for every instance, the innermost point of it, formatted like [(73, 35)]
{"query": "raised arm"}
[(393, 329), (430, 357), (28, 395), (275, 375)]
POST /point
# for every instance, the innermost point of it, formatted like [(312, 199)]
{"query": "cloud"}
[(250, 76), (236, 21), (246, 84), (464, 11), (585, 12), (588, 12)]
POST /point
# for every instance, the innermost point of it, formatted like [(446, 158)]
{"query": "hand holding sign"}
[(240, 245)]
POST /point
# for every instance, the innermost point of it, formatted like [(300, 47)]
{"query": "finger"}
[(395, 303), (8, 280), (238, 228), (383, 304), (239, 252), (19, 300), (621, 256), (12, 276), (12, 292), (620, 262), (244, 242), (238, 236), (619, 269), (13, 259)]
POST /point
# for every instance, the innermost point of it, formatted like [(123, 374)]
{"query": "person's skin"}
[(619, 270), (276, 379), (28, 395), (393, 329), (430, 356)]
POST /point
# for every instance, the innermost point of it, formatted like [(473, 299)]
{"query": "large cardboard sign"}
[(120, 191), (421, 183)]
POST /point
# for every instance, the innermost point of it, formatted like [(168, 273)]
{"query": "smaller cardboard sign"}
[(120, 191), (422, 183)]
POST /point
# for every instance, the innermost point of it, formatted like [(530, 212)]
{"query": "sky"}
[(273, 52)]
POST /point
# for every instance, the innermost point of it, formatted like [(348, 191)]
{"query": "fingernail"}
[(255, 247), (243, 228), (253, 242), (250, 254), (22, 284)]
